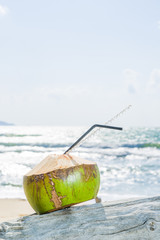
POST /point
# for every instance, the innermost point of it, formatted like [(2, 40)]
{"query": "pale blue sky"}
[(79, 62)]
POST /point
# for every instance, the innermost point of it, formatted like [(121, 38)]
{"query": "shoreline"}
[(13, 208)]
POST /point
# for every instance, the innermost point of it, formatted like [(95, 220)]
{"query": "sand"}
[(11, 209)]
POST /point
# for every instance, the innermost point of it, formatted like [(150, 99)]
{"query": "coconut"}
[(60, 181)]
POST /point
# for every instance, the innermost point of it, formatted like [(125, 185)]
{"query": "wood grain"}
[(137, 219)]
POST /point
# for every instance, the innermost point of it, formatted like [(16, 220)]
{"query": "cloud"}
[(154, 81), (131, 80), (3, 10)]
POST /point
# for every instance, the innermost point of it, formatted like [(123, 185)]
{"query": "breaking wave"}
[(128, 160)]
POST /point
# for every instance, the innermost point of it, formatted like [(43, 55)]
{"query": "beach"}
[(11, 209), (128, 161)]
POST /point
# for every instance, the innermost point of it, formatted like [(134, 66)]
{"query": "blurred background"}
[(65, 65), (79, 62)]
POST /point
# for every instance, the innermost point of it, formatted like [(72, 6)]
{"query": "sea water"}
[(128, 160)]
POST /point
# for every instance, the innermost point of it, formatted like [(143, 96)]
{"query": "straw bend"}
[(88, 131)]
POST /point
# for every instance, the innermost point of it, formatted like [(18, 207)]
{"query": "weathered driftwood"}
[(131, 219)]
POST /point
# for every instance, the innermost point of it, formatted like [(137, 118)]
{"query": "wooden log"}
[(137, 219)]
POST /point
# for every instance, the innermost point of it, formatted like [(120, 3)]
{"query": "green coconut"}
[(60, 181)]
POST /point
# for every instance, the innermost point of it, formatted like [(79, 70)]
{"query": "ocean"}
[(128, 160)]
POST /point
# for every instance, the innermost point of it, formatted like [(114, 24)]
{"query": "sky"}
[(80, 62)]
